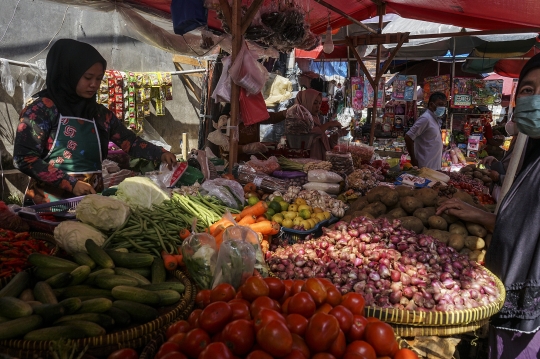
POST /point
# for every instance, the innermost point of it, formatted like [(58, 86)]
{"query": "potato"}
[(376, 193), (486, 179), (487, 239), (441, 236), (474, 243), (464, 196), (387, 216), (456, 228), (437, 222), (481, 257), (412, 224), (473, 256), (456, 241), (428, 196), (465, 251), (477, 174), (424, 214), (397, 213), (390, 198), (476, 229), (449, 218), (358, 205), (363, 213), (410, 204), (375, 208), (404, 191), (347, 218)]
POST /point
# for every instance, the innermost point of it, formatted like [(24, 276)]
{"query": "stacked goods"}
[(293, 178), (341, 162), (322, 180), (295, 165), (416, 209), (391, 266), (98, 292), (15, 249), (362, 180), (280, 319), (314, 199), (473, 183), (298, 215)]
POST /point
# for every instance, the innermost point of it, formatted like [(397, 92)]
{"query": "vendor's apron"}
[(76, 150)]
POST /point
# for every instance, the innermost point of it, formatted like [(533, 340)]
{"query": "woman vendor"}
[(63, 133), (514, 252)]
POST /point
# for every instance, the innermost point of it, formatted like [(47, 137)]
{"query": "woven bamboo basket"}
[(134, 337)]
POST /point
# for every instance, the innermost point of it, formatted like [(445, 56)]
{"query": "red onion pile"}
[(391, 266)]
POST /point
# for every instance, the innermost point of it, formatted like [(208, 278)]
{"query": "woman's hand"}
[(489, 160), (169, 159), (330, 124), (82, 188), (466, 212)]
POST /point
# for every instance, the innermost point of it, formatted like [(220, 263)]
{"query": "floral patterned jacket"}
[(35, 136)]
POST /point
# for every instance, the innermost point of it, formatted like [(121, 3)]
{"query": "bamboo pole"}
[(378, 74)]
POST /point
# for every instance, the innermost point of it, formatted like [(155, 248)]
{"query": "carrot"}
[(179, 259), (184, 233), (247, 220), (221, 228), (219, 238), (169, 261), (215, 225), (265, 227), (261, 219), (258, 209)]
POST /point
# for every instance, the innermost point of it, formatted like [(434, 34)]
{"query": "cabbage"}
[(140, 192), (71, 236), (102, 212)]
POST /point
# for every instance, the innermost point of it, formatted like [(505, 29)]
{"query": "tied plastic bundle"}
[(265, 166), (247, 72), (322, 180), (200, 256), (298, 120)]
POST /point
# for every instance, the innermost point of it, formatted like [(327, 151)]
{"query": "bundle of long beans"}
[(157, 229)]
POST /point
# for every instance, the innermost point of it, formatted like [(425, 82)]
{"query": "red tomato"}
[(303, 304), (276, 287), (338, 346), (285, 306), (126, 353), (181, 326), (405, 354), (321, 332), (275, 338), (300, 345), (239, 336), (263, 302), (240, 309), (216, 351), (344, 317), (218, 337), (373, 320), (358, 327), (259, 354), (195, 342), (178, 338), (323, 356), (222, 293), (203, 298), (297, 286), (297, 324), (215, 316), (166, 348), (295, 354), (325, 308), (174, 355), (193, 318), (380, 336), (360, 348), (316, 289), (254, 287), (288, 285), (266, 316), (354, 302), (333, 296)]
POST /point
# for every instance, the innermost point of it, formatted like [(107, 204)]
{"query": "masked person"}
[(424, 139), (63, 133), (514, 252)]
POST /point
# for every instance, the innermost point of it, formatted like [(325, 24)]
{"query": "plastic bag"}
[(222, 93), (330, 188), (8, 82), (263, 181), (247, 72), (251, 237), (264, 166), (227, 191), (324, 176), (298, 120), (235, 263), (31, 81), (200, 256), (168, 178), (252, 108)]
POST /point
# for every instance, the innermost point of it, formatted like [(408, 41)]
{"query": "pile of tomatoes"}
[(270, 318)]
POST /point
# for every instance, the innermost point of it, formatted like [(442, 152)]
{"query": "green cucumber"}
[(84, 298), (19, 327), (49, 312), (43, 293), (144, 271), (45, 261), (140, 313), (15, 286), (131, 260), (97, 305), (124, 271), (60, 280), (168, 297), (34, 303), (135, 294), (121, 317), (111, 281), (71, 305), (84, 290), (27, 295), (91, 280), (159, 273), (14, 308), (43, 273), (83, 259), (177, 286), (104, 320), (56, 333), (80, 274), (98, 254), (91, 329)]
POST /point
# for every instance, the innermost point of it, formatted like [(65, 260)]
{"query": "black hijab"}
[(67, 61)]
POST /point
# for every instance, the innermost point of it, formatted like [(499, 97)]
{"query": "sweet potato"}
[(404, 191), (474, 243), (476, 229), (437, 222), (412, 224), (424, 214), (456, 241), (441, 236), (398, 213), (376, 193), (390, 198), (428, 196), (375, 208), (410, 204), (456, 228)]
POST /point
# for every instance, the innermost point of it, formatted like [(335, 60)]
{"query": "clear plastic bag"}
[(247, 72), (324, 176), (31, 81), (8, 82), (235, 263), (264, 166), (229, 192), (200, 256), (222, 93), (263, 181), (250, 236)]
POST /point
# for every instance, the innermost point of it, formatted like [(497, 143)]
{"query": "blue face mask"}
[(440, 111), (527, 115)]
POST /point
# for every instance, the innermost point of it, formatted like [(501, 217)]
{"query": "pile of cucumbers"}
[(98, 292)]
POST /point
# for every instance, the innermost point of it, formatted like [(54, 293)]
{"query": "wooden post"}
[(378, 73), (185, 146)]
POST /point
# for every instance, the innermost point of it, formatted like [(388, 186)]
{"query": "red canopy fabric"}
[(340, 52)]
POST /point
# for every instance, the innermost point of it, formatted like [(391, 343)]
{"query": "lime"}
[(277, 218), (275, 206), (277, 199), (252, 200), (284, 205), (287, 223), (270, 211), (305, 214)]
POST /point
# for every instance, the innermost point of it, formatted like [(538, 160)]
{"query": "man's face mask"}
[(440, 111)]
